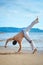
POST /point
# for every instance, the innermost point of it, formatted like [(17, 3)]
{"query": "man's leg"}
[(32, 24), (33, 46), (26, 35)]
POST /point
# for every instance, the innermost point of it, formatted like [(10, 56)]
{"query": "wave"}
[(35, 40)]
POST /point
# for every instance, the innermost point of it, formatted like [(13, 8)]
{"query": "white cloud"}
[(20, 11)]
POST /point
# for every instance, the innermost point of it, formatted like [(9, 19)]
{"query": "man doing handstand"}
[(24, 34)]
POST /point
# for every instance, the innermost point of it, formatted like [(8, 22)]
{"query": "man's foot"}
[(5, 46), (34, 51), (36, 20)]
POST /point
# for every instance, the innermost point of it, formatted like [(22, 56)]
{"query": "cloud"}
[(23, 5), (19, 11)]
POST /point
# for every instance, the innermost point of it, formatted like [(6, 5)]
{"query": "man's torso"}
[(19, 37)]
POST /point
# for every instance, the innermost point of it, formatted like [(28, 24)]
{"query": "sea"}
[(37, 38)]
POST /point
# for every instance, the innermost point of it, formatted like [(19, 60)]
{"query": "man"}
[(24, 34)]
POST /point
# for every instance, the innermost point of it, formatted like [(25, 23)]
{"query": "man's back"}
[(19, 37)]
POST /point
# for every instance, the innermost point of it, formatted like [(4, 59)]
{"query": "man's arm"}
[(8, 41), (19, 48)]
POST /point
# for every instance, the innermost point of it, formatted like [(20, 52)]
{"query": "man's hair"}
[(14, 42)]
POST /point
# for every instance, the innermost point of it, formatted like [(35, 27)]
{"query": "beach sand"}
[(21, 59), (8, 57)]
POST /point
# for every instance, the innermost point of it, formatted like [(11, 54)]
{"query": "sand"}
[(23, 58)]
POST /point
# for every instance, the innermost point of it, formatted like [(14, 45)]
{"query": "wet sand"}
[(9, 57)]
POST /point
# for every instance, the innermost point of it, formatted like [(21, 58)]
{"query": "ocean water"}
[(36, 37)]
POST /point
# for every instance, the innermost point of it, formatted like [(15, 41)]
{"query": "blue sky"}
[(20, 13)]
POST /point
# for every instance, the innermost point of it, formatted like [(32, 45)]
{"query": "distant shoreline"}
[(2, 32), (14, 29)]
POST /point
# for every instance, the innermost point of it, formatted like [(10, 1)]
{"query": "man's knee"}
[(30, 41)]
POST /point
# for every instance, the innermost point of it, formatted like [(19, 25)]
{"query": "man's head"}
[(14, 42)]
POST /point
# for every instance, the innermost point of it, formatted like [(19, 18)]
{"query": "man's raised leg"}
[(32, 24)]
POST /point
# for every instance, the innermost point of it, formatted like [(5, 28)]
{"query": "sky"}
[(20, 13)]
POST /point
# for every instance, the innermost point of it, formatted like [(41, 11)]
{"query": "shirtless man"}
[(24, 34)]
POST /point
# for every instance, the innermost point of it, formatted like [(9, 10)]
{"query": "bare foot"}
[(35, 50), (36, 20), (5, 46)]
